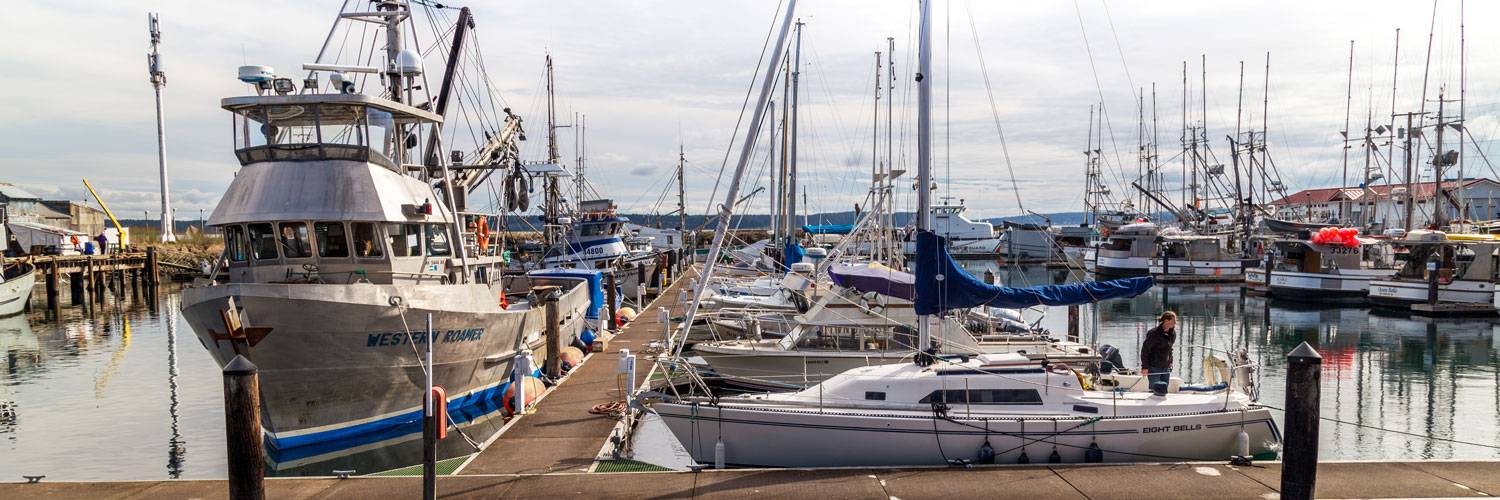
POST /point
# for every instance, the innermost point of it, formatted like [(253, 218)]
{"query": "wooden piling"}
[(152, 273), (611, 296), (1299, 455), (1433, 263), (1270, 259), (242, 430), (553, 364), (1073, 323), (52, 285), (75, 288)]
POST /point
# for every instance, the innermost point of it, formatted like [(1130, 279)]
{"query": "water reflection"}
[(1424, 376)]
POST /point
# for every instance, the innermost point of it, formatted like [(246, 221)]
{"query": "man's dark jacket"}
[(1156, 351)]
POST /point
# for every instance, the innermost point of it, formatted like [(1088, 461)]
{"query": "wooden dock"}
[(1415, 479), (89, 277), (560, 434)]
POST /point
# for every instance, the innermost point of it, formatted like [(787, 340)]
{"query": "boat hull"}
[(766, 437), (1324, 287), (16, 290), (338, 368), (1402, 294)]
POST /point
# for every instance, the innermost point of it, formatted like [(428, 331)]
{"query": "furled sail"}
[(941, 285)]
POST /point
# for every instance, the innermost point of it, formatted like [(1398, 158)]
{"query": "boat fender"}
[(587, 336), (1093, 454), (511, 200), (719, 454), (1243, 442), (986, 453)]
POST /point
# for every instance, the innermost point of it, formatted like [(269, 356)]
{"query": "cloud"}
[(652, 76)]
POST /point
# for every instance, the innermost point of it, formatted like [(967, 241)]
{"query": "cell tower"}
[(158, 80)]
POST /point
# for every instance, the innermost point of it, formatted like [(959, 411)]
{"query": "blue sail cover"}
[(828, 228), (958, 289), (792, 254)]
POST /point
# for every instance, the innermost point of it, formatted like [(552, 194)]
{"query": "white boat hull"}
[(14, 292), (808, 437), (1404, 293)]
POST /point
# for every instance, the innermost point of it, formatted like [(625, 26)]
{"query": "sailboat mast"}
[(682, 199), (1090, 201), (889, 227), (726, 209), (875, 178), (159, 80), (1234, 153), (1439, 215), (1348, 104), (924, 145), (791, 185), (786, 159), (775, 195), (1265, 112)]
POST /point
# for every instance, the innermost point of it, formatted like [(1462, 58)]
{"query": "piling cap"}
[(240, 366), (1305, 353)]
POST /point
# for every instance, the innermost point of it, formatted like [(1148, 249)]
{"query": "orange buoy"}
[(534, 388), (570, 356), (625, 315)]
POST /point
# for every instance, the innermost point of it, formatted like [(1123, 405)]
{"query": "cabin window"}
[(262, 241), (332, 240), (406, 239), (437, 241), (294, 240), (985, 397), (1119, 244), (234, 243), (595, 229), (875, 395), (366, 244)]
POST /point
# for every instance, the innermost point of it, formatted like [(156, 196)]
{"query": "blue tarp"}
[(595, 284), (958, 289), (828, 228), (882, 280), (792, 254)]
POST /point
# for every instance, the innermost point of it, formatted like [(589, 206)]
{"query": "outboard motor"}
[(1109, 359)]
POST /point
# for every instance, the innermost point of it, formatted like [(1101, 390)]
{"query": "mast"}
[(924, 145), (159, 80), (1154, 170), (1234, 155), (554, 196), (682, 198), (1265, 113), (1463, 78), (1091, 177), (775, 195), (888, 227), (579, 164), (791, 185), (1411, 196), (726, 209), (1184, 138), (875, 178), (1348, 103), (1439, 160), (786, 159)]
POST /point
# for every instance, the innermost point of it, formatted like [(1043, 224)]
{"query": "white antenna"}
[(158, 80)]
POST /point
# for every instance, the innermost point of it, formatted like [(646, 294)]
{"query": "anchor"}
[(235, 332)]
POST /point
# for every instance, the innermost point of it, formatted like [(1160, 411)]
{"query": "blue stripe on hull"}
[(461, 409)]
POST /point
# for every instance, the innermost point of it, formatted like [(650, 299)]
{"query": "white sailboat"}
[(944, 410)]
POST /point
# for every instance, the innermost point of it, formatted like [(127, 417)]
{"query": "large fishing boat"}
[(348, 250), (1464, 267)]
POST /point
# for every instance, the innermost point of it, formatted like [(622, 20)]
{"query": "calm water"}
[(127, 392)]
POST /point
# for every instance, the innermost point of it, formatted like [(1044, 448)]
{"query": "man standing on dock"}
[(1156, 352)]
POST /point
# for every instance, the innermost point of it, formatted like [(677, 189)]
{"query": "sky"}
[(652, 75)]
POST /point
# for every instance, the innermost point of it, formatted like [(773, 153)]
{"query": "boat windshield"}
[(313, 131)]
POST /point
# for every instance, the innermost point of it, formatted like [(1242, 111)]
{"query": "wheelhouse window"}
[(366, 243), (234, 243), (985, 397), (332, 240), (405, 239), (437, 241), (294, 240), (301, 132), (262, 241)]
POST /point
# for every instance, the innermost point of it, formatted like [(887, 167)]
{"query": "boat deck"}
[(1417, 479)]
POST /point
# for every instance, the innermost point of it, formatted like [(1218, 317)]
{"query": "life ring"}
[(483, 234)]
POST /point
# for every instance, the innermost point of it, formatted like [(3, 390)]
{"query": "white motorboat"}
[(1465, 268), (966, 238), (1328, 272), (989, 409), (16, 281)]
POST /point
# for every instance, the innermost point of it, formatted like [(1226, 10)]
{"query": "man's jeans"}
[(1154, 375)]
